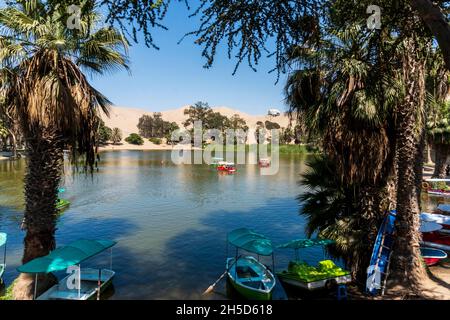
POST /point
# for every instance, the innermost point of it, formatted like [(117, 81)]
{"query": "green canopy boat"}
[(3, 238), (62, 204), (302, 275), (252, 279), (84, 283)]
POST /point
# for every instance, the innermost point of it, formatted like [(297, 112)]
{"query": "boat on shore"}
[(248, 276), (432, 256), (377, 271), (437, 187), (305, 276), (3, 239), (82, 283), (251, 278)]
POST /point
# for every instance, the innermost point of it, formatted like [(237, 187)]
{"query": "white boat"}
[(89, 286), (81, 283), (444, 207), (436, 218)]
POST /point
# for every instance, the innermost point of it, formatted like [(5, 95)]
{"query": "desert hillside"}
[(126, 119)]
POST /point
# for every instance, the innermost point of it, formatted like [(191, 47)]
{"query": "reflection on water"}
[(170, 221)]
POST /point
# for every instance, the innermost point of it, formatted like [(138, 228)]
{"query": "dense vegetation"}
[(135, 139)]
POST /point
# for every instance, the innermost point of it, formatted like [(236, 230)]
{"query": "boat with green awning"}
[(82, 283), (252, 279), (303, 275)]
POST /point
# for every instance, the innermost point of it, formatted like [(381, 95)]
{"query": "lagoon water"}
[(170, 221)]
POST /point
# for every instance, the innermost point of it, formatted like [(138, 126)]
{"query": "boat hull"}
[(89, 286), (432, 256), (313, 285), (239, 283)]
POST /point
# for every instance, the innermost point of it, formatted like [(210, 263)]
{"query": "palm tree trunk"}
[(429, 158), (407, 268), (441, 161), (45, 160)]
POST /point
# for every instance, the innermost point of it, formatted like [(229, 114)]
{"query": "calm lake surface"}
[(170, 221)]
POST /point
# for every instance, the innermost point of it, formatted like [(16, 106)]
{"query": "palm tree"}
[(116, 136), (438, 112), (55, 104), (344, 95)]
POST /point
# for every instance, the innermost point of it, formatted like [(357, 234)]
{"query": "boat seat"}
[(246, 272), (66, 295), (93, 277)]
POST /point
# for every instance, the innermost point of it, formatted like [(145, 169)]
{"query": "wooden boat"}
[(3, 239), (246, 274), (251, 278), (432, 256), (85, 283), (302, 275), (436, 187)]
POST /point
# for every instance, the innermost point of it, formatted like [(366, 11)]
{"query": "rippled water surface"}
[(170, 221)]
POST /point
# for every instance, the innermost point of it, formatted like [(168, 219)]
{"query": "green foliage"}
[(155, 127), (8, 295), (116, 135), (331, 209), (3, 131), (134, 138), (156, 141), (272, 125), (104, 133)]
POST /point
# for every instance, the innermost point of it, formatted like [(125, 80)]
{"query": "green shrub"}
[(156, 141), (136, 139)]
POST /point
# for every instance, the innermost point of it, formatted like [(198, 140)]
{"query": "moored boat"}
[(264, 162), (436, 240), (252, 279), (228, 167), (305, 276), (81, 283), (436, 187), (432, 256), (3, 239)]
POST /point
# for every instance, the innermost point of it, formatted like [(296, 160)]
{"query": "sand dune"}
[(126, 119)]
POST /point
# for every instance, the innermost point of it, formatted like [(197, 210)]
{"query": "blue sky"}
[(174, 76)]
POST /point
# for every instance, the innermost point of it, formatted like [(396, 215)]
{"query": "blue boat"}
[(81, 283), (3, 238), (379, 262), (252, 279)]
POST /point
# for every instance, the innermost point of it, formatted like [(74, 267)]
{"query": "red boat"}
[(436, 240), (264, 163), (432, 256), (228, 167)]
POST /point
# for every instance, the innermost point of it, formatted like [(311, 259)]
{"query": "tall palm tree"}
[(344, 95), (116, 135), (55, 104)]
